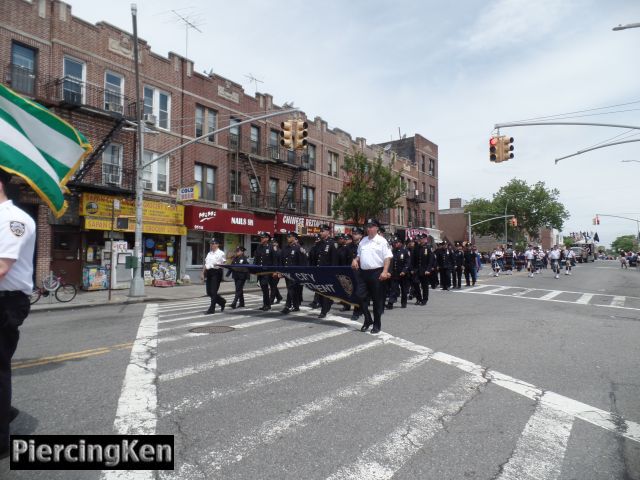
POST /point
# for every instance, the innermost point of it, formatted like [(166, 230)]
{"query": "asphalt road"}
[(516, 378)]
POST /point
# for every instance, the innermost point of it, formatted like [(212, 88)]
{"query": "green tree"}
[(625, 242), (534, 207), (370, 188), (568, 241)]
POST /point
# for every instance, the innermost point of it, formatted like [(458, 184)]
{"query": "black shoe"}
[(210, 311), (418, 302), (389, 306), (13, 413), (295, 309), (424, 302), (322, 315), (222, 307), (365, 327), (241, 305), (285, 310), (313, 305), (355, 317), (277, 300), (233, 306), (375, 330)]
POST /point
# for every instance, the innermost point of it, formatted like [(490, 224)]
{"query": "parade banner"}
[(336, 283)]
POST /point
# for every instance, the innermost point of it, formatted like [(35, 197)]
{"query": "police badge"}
[(346, 283), (17, 228)]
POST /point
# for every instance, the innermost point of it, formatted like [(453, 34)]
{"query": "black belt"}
[(372, 269), (10, 293)]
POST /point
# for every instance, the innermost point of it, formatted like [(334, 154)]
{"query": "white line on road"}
[(523, 292), (184, 372), (541, 448), (274, 429), (136, 412), (550, 295), (384, 459), (196, 401), (617, 301), (584, 299), (494, 290)]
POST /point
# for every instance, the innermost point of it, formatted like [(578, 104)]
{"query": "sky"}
[(448, 71)]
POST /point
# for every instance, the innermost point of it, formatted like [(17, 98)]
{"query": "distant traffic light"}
[(514, 222), (300, 134), (286, 134), (506, 147), (597, 220), (493, 149)]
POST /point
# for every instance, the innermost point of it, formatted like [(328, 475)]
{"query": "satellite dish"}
[(387, 147)]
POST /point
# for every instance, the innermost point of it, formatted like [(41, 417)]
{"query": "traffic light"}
[(300, 134), (506, 147), (596, 221), (286, 134), (493, 149), (514, 221)]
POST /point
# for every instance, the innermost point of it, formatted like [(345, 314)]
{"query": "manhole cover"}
[(212, 329)]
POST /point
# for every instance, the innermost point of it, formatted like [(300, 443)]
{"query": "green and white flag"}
[(40, 147)]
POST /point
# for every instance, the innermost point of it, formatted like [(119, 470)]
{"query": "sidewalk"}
[(152, 294)]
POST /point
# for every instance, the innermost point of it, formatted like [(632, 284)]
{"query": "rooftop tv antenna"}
[(254, 80), (188, 23)]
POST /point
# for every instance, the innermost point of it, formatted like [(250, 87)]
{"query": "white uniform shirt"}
[(529, 254), (17, 242), (569, 254), (554, 254), (373, 253), (214, 258)]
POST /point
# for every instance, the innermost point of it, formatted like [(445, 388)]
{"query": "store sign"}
[(157, 217), (226, 221), (188, 193), (303, 225)]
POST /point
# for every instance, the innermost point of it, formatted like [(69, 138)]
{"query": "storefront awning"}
[(208, 219), (301, 225)]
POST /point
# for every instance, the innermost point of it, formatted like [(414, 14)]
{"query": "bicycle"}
[(54, 285)]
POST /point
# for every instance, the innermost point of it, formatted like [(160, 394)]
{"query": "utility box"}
[(131, 262)]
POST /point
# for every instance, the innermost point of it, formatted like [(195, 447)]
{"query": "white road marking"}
[(384, 459), (494, 290), (550, 295), (184, 372), (584, 299), (541, 448), (273, 429), (253, 323), (136, 412), (523, 292), (617, 301), (196, 401)]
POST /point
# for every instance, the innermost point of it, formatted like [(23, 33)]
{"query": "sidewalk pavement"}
[(152, 294)]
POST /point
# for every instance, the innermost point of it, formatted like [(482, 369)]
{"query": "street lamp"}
[(624, 27), (626, 161)]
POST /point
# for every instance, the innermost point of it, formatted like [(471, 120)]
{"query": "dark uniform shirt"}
[(292, 256), (401, 262), (343, 255), (425, 260), (327, 253), (265, 255), (236, 275), (458, 258), (444, 259)]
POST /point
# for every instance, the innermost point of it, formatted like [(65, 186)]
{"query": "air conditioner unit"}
[(275, 154), (114, 178), (72, 98), (113, 107), (417, 193), (236, 198), (291, 205), (149, 119), (147, 185)]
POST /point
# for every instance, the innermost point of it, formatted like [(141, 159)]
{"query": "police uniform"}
[(276, 296), (265, 256), (327, 257), (17, 243), (213, 277), (458, 261), (444, 260), (400, 271), (372, 256), (313, 261), (426, 265), (352, 252), (239, 277), (292, 255)]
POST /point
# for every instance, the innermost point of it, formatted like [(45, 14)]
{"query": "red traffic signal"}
[(493, 149), (514, 222)]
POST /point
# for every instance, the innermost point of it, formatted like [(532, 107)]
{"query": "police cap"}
[(357, 230), (214, 240), (371, 222), (325, 228), (264, 235), (240, 248), (291, 233)]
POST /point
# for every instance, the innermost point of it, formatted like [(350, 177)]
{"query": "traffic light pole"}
[(637, 220), (484, 221)]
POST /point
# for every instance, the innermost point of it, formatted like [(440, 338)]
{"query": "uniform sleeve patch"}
[(17, 228)]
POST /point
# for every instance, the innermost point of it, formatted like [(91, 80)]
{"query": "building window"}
[(157, 104), (255, 139), (432, 167), (234, 134), (308, 199), (155, 177), (311, 157), (113, 92), (212, 124), (331, 198), (23, 68), (211, 118), (291, 196), (199, 121), (234, 182), (423, 164), (73, 86), (333, 164), (432, 193), (274, 142), (400, 215), (112, 165), (205, 177), (432, 220), (273, 193)]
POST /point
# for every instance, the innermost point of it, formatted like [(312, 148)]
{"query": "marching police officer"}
[(313, 261), (212, 274), (426, 264), (292, 256), (444, 260), (266, 257), (344, 259), (17, 243), (458, 262), (239, 277), (352, 249), (327, 256), (276, 296), (400, 268)]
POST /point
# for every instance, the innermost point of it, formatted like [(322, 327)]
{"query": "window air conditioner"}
[(236, 198), (113, 107), (291, 205), (146, 185), (114, 178), (149, 118)]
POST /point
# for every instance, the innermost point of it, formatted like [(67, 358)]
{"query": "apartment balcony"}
[(108, 178), (417, 196), (273, 154), (267, 202)]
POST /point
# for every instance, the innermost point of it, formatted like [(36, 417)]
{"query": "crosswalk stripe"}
[(184, 372), (207, 319), (174, 338), (585, 298), (541, 448), (494, 290), (550, 295), (617, 301), (196, 401), (273, 429), (384, 459)]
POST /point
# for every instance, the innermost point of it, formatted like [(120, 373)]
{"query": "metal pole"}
[(113, 216), (469, 213), (528, 124), (137, 282), (505, 222)]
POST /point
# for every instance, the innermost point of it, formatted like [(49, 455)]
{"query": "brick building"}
[(247, 182)]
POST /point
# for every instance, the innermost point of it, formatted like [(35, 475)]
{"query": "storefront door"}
[(65, 254)]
